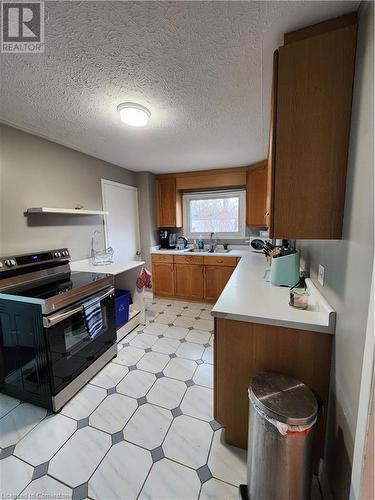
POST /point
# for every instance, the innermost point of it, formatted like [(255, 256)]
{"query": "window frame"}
[(240, 193)]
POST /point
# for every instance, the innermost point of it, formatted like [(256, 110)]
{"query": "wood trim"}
[(320, 28), (211, 260), (211, 181), (256, 193), (162, 258), (269, 215), (188, 259), (197, 173)]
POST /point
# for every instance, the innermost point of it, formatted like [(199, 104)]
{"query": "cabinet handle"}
[(266, 214), (220, 261)]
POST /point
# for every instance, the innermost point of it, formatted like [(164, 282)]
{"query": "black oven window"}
[(75, 333)]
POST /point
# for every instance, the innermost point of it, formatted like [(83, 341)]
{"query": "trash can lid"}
[(283, 398)]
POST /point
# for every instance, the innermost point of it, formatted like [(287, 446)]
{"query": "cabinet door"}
[(256, 187), (215, 279), (315, 80), (168, 203), (163, 278), (189, 281)]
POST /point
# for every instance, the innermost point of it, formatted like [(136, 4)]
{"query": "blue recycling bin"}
[(122, 302)]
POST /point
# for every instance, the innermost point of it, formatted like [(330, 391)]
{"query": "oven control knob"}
[(10, 263), (57, 254), (1, 264)]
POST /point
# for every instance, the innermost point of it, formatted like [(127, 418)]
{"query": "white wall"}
[(35, 172), (349, 263)]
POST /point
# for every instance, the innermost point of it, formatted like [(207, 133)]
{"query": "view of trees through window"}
[(218, 215)]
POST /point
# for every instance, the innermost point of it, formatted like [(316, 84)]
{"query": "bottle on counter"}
[(200, 243)]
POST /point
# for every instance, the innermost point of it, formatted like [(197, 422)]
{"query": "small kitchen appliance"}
[(47, 348), (182, 243), (285, 269), (168, 239)]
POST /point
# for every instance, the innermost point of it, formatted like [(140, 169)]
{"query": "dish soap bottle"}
[(200, 243)]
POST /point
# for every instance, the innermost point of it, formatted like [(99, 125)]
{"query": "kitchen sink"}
[(217, 250)]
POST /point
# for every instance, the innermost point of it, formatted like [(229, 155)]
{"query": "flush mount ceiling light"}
[(133, 114)]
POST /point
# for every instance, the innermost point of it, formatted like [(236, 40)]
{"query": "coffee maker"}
[(168, 239)]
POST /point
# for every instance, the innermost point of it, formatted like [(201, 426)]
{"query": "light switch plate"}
[(321, 274)]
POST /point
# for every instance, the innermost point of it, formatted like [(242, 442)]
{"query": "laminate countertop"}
[(248, 297), (234, 252), (117, 267)]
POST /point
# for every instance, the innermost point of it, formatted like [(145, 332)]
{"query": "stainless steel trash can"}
[(283, 412)]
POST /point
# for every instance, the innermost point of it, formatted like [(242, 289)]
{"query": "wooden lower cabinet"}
[(215, 279), (241, 350), (191, 277), (163, 278), (189, 281)]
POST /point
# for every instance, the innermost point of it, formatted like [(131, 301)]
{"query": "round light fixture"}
[(133, 114)]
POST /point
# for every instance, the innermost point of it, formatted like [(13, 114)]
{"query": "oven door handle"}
[(58, 317)]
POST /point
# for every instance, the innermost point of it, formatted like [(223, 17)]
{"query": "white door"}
[(122, 222)]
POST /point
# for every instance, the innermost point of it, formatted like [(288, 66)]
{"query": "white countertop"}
[(117, 267), (234, 252), (248, 297)]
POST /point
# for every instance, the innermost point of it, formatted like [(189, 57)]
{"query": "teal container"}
[(285, 270)]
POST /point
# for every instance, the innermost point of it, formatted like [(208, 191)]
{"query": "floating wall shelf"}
[(75, 211)]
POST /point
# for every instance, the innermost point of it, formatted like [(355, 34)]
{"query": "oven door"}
[(70, 348)]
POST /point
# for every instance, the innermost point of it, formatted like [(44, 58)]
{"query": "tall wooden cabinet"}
[(310, 124), (256, 188), (169, 204)]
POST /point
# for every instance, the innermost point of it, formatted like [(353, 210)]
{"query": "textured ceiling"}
[(203, 69)]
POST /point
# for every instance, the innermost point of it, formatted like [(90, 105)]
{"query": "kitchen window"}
[(219, 212)]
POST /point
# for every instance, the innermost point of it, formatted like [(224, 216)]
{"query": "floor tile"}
[(176, 332), (189, 350), (143, 341), (188, 441), (180, 368), (148, 426), (204, 324), (7, 403), (205, 315), (198, 336), (109, 376), (79, 457), (227, 462), (18, 422), (17, 474), (165, 319), (129, 356), (208, 355), (113, 413), (153, 362), (217, 490), (136, 383), (166, 345), (198, 402), (46, 487), (121, 474), (85, 402), (45, 439), (167, 393), (155, 329), (184, 322), (189, 313), (204, 375), (170, 481)]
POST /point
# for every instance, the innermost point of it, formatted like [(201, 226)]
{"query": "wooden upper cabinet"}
[(256, 189), (310, 124), (169, 205)]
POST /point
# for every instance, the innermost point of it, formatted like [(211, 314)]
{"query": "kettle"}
[(182, 242)]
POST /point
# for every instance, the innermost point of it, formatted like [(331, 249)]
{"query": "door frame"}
[(107, 182)]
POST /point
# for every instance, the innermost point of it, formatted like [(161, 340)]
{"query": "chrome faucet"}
[(213, 243)]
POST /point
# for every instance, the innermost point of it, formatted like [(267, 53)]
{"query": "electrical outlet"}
[(321, 274)]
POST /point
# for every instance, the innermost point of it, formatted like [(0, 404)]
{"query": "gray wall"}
[(147, 214), (35, 172), (349, 264)]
